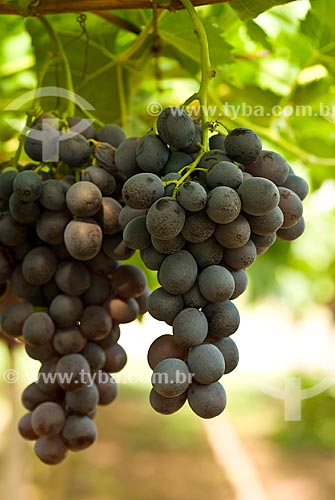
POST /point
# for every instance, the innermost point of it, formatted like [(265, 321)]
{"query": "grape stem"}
[(70, 111), (207, 72)]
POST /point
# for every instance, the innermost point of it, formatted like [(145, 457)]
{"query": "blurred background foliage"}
[(284, 58)]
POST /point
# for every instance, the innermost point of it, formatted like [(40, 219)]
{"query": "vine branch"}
[(45, 7), (207, 73)]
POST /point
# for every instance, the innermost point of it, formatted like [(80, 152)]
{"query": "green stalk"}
[(65, 63), (207, 73)]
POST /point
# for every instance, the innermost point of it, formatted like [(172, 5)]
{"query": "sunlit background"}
[(259, 449)]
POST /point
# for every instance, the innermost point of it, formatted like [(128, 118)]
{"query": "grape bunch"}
[(60, 250), (200, 218)]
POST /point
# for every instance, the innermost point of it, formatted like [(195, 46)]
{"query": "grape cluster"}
[(60, 247), (200, 218)]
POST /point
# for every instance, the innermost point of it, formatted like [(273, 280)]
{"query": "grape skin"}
[(192, 196), (27, 186), (178, 272), (291, 206), (48, 419), (243, 145), (79, 432), (198, 227), (235, 234), (242, 257), (152, 154), (136, 234), (267, 224), (258, 196), (207, 401), (176, 128), (164, 306), (164, 377), (223, 318), (224, 173), (216, 283), (206, 253), (224, 205), (296, 184), (50, 449), (292, 233), (190, 327), (165, 218), (39, 266), (165, 347), (14, 317), (270, 165), (206, 363), (166, 406), (142, 190), (83, 199)]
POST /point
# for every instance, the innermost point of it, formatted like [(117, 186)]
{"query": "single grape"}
[(171, 377), (83, 199), (79, 432), (190, 327), (241, 282), (32, 396), (116, 359), (122, 310), (152, 258), (176, 128), (73, 278), (263, 243), (223, 318), (13, 318), (217, 141), (83, 400), (25, 428), (178, 272), (68, 340), (128, 281), (116, 248), (243, 145), (27, 186), (50, 449), (38, 329), (216, 283), (125, 157), (53, 195), (152, 154), (291, 206), (6, 184), (111, 133), (165, 347), (168, 246), (206, 363), (242, 257), (66, 310), (166, 406), (11, 232), (234, 234), (164, 306), (48, 419), (74, 150), (23, 212), (107, 387), (206, 253), (98, 291), (95, 323), (165, 218), (51, 225), (39, 265), (270, 165), (198, 227), (224, 205), (192, 196), (136, 235), (229, 351), (224, 173), (194, 298), (207, 401), (141, 190), (102, 179), (104, 154), (40, 144), (297, 184), (73, 371), (292, 233), (258, 196), (267, 224), (94, 354)]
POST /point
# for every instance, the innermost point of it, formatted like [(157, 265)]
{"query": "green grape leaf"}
[(248, 9)]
